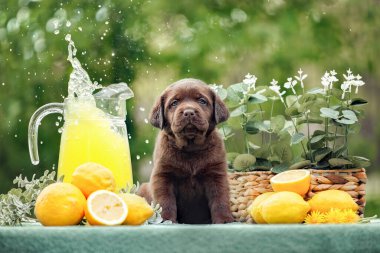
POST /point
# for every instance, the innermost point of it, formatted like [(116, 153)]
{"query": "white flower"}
[(300, 77), (351, 80), (290, 84), (250, 80), (276, 88), (328, 79)]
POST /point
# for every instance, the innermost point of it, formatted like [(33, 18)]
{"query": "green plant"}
[(313, 130), (17, 205)]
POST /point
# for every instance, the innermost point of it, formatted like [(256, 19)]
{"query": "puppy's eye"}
[(202, 101), (174, 103)]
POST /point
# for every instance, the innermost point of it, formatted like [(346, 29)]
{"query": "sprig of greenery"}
[(17, 205), (330, 110)]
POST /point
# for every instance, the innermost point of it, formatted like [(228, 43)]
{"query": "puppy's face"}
[(188, 109)]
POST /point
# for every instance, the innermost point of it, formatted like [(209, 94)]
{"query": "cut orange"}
[(297, 181), (105, 208)]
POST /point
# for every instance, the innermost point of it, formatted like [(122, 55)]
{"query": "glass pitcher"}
[(94, 130)]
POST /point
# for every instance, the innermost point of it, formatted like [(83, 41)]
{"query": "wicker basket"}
[(246, 186)]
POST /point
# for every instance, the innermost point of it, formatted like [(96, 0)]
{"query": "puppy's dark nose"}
[(188, 113)]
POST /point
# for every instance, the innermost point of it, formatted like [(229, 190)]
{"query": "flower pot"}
[(246, 186)]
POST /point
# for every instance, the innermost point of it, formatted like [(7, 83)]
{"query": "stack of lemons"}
[(287, 205), (91, 194)]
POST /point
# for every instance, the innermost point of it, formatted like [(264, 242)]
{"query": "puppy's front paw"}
[(222, 219)]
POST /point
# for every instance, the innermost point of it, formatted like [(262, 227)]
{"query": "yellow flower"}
[(350, 216), (315, 217), (334, 216)]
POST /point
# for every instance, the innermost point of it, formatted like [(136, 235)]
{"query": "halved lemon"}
[(297, 181), (105, 208)]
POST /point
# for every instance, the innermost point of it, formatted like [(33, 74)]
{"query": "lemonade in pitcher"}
[(94, 127)]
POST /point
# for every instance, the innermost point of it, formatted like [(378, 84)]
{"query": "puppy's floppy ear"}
[(157, 118), (221, 113)]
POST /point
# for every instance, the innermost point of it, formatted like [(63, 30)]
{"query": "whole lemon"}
[(256, 207), (90, 177), (60, 204), (284, 207), (138, 209), (325, 200)]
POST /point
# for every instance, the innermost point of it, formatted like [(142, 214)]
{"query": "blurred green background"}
[(151, 43)]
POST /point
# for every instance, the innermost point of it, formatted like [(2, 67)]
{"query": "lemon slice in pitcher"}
[(297, 181), (105, 208)]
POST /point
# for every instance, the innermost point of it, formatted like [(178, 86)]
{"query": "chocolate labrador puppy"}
[(189, 178)]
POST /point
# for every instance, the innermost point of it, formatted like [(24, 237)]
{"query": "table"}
[(193, 238)]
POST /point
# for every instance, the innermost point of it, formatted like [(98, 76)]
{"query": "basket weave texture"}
[(246, 186)]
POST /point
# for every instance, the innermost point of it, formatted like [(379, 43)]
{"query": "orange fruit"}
[(138, 209), (60, 204), (90, 177), (105, 208), (297, 181)]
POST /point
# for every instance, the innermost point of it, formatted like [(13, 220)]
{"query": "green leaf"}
[(300, 165), (338, 152), (329, 113), (345, 121), (277, 123), (297, 138), (280, 168), (251, 128), (307, 98), (239, 87), (339, 162), (233, 96), (262, 126), (222, 93), (291, 100), (320, 154), (283, 152), (358, 101), (238, 111), (263, 152), (360, 162), (257, 99), (350, 115), (292, 111), (317, 138)]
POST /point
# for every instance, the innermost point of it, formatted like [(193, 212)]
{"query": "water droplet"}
[(41, 142), (68, 23), (16, 135), (107, 22), (60, 130), (138, 157), (146, 141), (142, 109), (56, 32), (57, 123), (146, 121), (19, 120), (101, 38), (150, 162), (3, 84), (113, 54), (80, 28), (60, 118)]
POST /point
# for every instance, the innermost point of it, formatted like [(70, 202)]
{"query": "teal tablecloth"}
[(193, 238)]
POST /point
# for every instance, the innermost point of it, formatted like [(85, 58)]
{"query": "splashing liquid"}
[(89, 133)]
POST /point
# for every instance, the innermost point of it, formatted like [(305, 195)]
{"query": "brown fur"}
[(189, 178)]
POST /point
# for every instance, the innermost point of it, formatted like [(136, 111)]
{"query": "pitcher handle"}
[(34, 123)]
